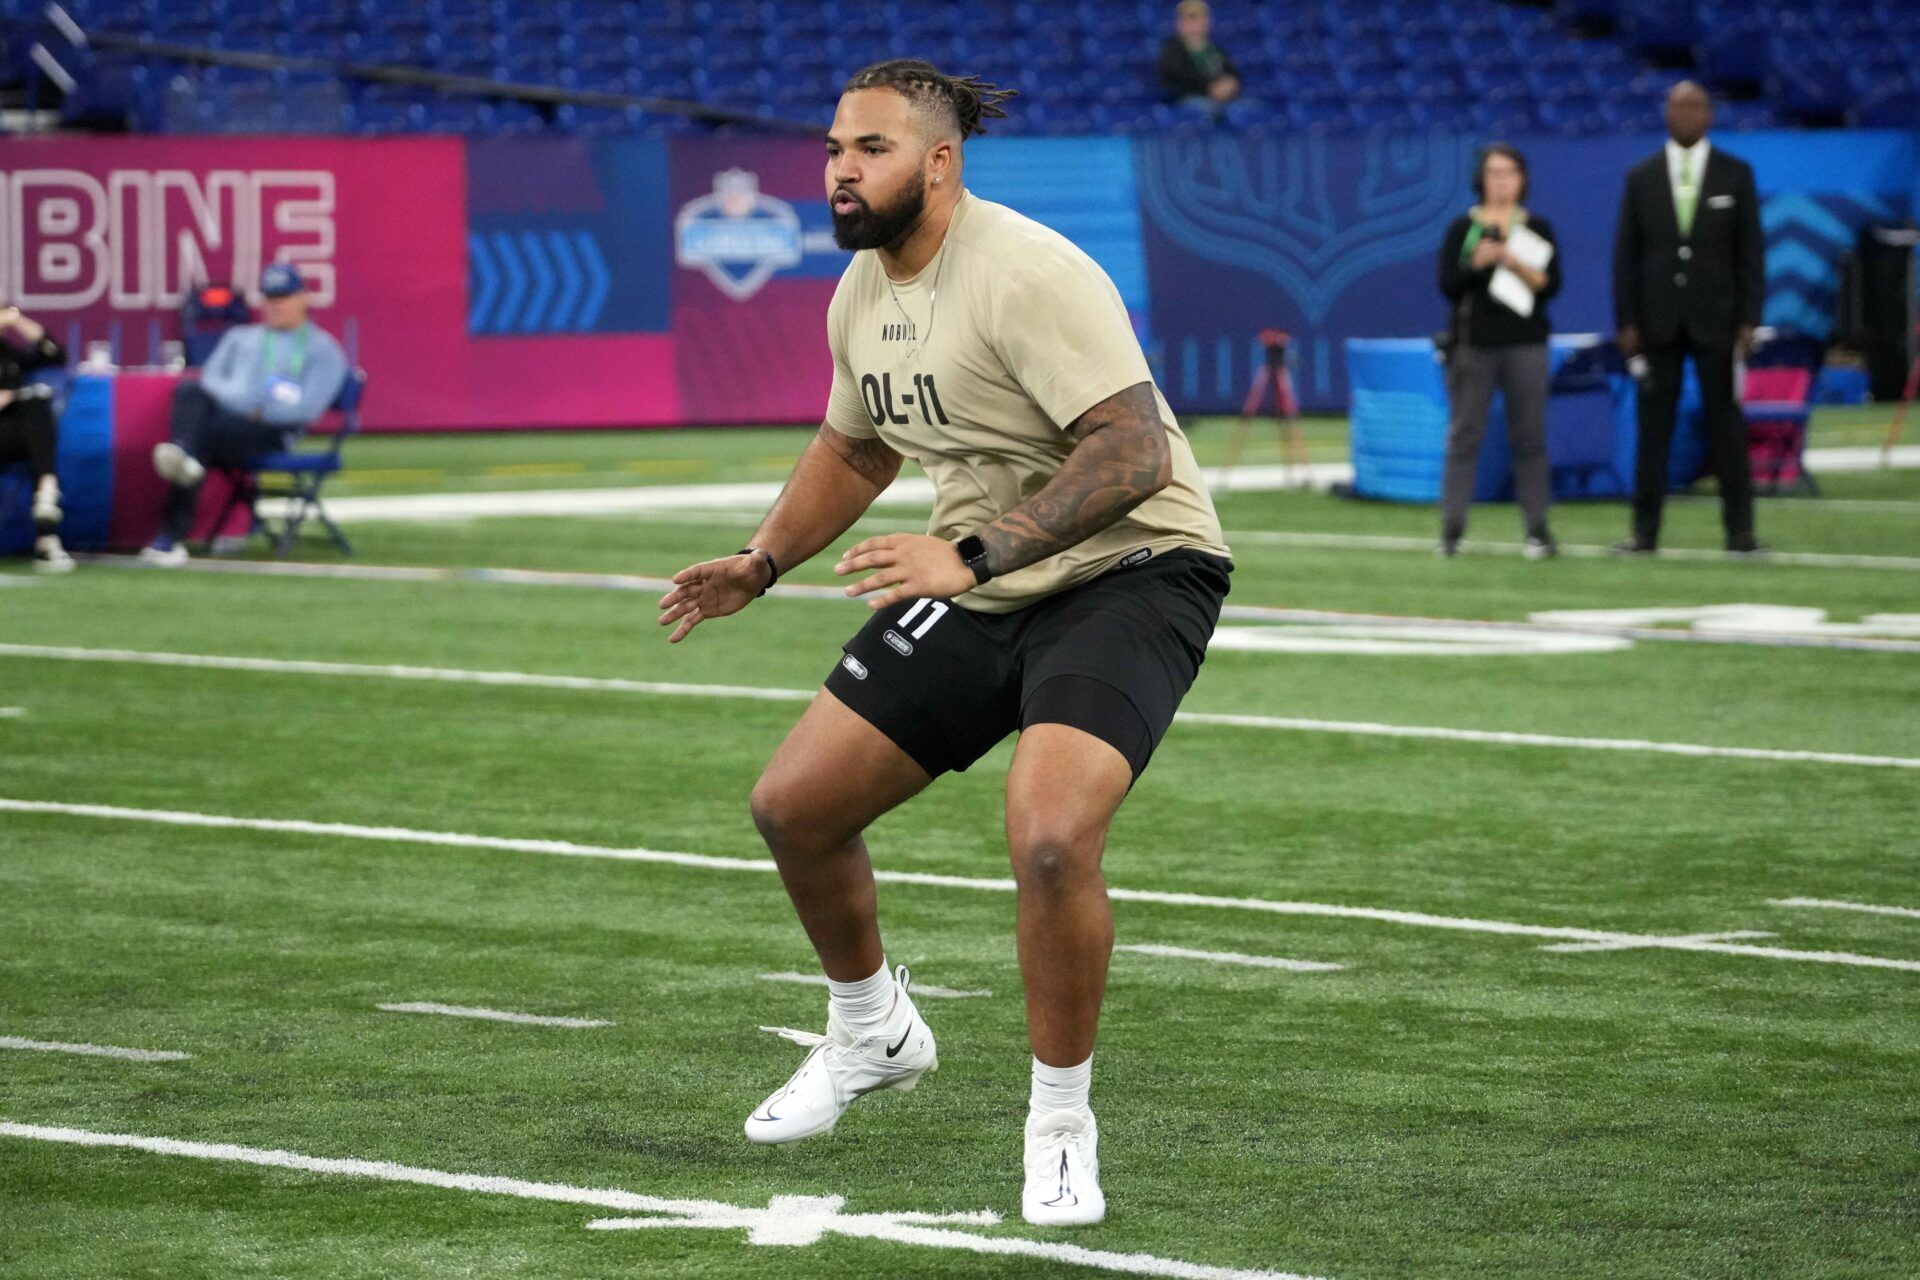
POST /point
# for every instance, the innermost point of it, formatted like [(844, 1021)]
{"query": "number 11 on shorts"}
[(939, 608)]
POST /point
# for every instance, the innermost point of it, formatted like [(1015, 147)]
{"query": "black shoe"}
[(1634, 546), (1448, 548), (1745, 544)]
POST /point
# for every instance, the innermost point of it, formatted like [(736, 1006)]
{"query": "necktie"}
[(1686, 195)]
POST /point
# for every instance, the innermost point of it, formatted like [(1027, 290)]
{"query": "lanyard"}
[(299, 360)]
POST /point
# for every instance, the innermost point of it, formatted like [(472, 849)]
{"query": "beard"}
[(871, 228)]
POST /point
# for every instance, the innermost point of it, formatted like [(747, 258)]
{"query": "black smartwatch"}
[(773, 566), (973, 552)]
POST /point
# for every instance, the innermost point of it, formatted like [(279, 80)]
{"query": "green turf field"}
[(1715, 1086)]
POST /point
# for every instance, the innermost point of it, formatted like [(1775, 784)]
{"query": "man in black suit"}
[(1689, 277)]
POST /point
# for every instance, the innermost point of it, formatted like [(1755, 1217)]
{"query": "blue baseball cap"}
[(280, 281)]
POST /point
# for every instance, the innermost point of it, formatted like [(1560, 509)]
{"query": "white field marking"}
[(491, 1015), (1581, 551), (1434, 640), (12, 713), (1503, 738), (709, 862), (1837, 904), (1630, 946), (919, 988), (787, 1220), (769, 694), (1554, 623), (93, 1050), (1230, 957), (1755, 621)]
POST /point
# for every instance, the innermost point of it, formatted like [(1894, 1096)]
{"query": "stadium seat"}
[(306, 473)]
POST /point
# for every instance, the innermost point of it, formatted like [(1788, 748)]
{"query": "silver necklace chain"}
[(933, 297)]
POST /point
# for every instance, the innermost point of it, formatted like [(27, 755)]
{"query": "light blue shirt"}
[(242, 373)]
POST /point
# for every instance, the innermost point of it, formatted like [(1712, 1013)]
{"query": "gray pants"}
[(1472, 375)]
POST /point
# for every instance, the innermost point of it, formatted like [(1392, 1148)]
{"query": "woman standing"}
[(1499, 330), (27, 430)]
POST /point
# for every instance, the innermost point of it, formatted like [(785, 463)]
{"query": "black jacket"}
[(1479, 320), (1182, 75), (1707, 285), (18, 359)]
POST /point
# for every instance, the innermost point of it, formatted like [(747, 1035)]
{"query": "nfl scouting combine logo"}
[(738, 236)]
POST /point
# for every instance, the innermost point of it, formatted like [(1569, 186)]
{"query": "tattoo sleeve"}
[(1120, 458), (872, 459)]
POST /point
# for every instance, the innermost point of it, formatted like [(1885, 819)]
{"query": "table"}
[(1399, 428)]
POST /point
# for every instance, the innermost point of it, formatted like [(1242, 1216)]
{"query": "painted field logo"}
[(738, 236)]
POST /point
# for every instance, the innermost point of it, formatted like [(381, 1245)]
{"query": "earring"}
[(936, 179)]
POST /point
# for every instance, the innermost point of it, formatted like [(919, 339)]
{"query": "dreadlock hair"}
[(960, 103)]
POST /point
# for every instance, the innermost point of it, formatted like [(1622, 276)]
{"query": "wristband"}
[(773, 566)]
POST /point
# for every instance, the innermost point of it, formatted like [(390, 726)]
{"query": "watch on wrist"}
[(773, 566), (973, 553)]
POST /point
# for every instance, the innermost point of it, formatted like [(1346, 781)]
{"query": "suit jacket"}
[(1710, 282)]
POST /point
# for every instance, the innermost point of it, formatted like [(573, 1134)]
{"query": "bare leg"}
[(834, 774), (1062, 792)]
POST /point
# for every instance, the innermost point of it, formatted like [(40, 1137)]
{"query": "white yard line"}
[(919, 988), (1631, 946), (1242, 613), (12, 713), (1579, 551), (491, 1015), (1836, 904), (283, 666), (708, 862), (93, 1050), (1229, 957), (787, 1220)]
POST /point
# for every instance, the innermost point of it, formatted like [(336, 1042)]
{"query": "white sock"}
[(47, 544), (48, 489), (1060, 1089), (863, 1006)]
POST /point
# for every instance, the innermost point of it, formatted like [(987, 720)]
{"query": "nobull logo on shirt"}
[(738, 236)]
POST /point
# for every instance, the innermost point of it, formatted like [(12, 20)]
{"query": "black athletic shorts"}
[(1112, 656)]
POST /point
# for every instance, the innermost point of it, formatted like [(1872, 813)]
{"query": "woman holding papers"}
[(1498, 268)]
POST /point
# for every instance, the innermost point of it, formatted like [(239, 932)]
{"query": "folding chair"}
[(306, 471), (1775, 399)]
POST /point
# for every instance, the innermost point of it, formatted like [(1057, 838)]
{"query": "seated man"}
[(28, 430), (263, 386), (1197, 74)]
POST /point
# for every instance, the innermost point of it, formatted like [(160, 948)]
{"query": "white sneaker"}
[(1063, 1171), (843, 1067), (46, 506), (176, 466), (51, 557), (166, 557)]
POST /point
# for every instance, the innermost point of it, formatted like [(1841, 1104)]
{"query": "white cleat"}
[(176, 466), (166, 557), (51, 557), (842, 1067), (46, 505), (1063, 1171)]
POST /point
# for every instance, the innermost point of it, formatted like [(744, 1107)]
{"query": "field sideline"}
[(413, 925)]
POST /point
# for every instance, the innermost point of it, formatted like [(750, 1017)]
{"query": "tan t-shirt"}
[(975, 367)]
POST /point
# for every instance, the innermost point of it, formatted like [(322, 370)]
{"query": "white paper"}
[(1529, 248), (1510, 291)]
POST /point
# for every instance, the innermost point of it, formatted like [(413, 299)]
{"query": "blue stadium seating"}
[(1580, 66)]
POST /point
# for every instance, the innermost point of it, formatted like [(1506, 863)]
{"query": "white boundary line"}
[(708, 862), (281, 666), (491, 1015), (800, 591), (786, 1220), (1229, 957), (93, 1050), (919, 988), (1837, 904)]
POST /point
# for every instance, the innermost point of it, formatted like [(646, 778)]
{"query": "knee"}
[(1051, 860), (787, 821)]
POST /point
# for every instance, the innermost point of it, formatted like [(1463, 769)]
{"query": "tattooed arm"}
[(836, 479), (1120, 459)]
